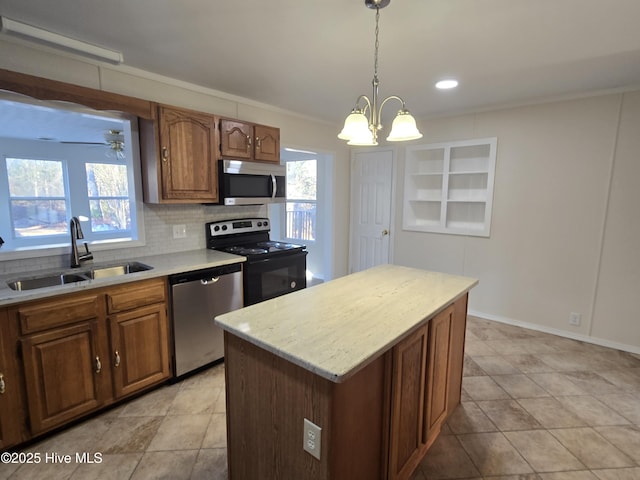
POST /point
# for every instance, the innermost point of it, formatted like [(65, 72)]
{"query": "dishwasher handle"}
[(205, 276)]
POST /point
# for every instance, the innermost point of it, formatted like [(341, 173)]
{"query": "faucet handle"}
[(88, 255)]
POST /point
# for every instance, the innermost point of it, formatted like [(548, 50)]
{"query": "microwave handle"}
[(274, 186)]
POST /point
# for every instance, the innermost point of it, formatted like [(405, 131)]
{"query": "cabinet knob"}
[(258, 143), (117, 356), (2, 384), (248, 142), (165, 154), (98, 365)]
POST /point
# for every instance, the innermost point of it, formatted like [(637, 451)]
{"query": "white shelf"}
[(449, 187)]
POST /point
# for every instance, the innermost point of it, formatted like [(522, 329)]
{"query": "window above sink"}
[(61, 160)]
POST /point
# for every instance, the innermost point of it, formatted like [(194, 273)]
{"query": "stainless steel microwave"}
[(251, 183)]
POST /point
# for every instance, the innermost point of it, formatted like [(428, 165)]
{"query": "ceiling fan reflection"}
[(114, 139)]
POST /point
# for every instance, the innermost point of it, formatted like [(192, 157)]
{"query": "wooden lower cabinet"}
[(64, 374), (81, 352), (437, 375), (407, 404), (140, 349), (426, 386), (11, 415), (376, 425)]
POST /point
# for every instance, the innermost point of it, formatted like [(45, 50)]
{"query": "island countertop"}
[(336, 328)]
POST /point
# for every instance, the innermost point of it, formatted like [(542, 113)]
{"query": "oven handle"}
[(207, 281), (274, 186), (286, 258)]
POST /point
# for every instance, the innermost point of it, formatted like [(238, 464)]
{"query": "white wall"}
[(565, 224), (294, 130)]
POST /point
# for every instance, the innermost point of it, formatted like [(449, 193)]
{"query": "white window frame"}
[(77, 196), (300, 200)]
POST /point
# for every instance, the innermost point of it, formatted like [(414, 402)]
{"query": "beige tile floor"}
[(535, 407)]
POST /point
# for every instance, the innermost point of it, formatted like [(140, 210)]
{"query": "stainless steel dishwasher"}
[(197, 297)]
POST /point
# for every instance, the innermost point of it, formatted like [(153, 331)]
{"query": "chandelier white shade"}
[(360, 129)]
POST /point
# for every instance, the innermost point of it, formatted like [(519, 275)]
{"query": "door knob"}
[(385, 232)]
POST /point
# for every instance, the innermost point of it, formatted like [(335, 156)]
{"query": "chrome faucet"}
[(76, 234)]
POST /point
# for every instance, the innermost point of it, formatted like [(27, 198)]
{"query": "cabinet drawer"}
[(62, 311), (136, 295)]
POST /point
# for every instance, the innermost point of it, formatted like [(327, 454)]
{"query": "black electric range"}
[(273, 268)]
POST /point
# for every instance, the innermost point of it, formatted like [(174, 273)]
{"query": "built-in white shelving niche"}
[(448, 187)]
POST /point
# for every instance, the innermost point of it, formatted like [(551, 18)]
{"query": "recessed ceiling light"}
[(447, 84)]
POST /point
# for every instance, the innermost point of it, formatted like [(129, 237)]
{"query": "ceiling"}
[(315, 58)]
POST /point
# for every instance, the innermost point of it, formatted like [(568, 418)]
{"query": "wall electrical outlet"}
[(311, 438), (575, 318), (179, 231)]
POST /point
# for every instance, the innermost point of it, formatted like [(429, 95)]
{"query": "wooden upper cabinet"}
[(188, 153), (267, 143), (248, 141), (179, 157), (236, 139)]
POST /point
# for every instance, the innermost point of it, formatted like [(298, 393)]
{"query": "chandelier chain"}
[(375, 55)]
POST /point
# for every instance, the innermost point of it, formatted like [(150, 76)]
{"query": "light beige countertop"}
[(336, 328), (167, 264)]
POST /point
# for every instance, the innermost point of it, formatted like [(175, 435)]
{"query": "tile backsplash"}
[(159, 221)]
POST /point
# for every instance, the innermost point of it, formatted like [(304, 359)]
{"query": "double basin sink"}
[(65, 277)]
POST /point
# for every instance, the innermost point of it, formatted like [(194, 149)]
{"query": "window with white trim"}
[(57, 162), (301, 205)]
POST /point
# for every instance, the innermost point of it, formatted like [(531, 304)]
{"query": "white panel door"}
[(371, 199)]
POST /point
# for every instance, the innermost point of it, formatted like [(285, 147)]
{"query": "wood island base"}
[(376, 424)]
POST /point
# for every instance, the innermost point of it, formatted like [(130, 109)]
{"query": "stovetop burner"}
[(262, 248), (248, 237), (240, 250), (278, 245)]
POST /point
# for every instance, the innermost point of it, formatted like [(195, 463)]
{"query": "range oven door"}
[(251, 183), (274, 276)]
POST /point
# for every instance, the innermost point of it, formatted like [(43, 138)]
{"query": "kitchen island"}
[(374, 359)]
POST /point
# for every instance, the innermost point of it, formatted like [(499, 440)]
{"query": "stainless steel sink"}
[(48, 281), (120, 269), (62, 278)]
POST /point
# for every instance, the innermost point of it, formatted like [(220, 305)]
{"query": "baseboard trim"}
[(554, 331)]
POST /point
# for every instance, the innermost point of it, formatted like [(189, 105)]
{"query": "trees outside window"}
[(43, 195), (300, 219)]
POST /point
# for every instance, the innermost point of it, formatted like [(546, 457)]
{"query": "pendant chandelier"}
[(360, 130)]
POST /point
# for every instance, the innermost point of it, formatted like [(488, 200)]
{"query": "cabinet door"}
[(236, 139), (267, 143), (64, 374), (10, 415), (407, 404), (437, 374), (188, 154), (139, 348), (456, 352)]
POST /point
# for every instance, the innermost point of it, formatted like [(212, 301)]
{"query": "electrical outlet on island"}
[(311, 438)]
